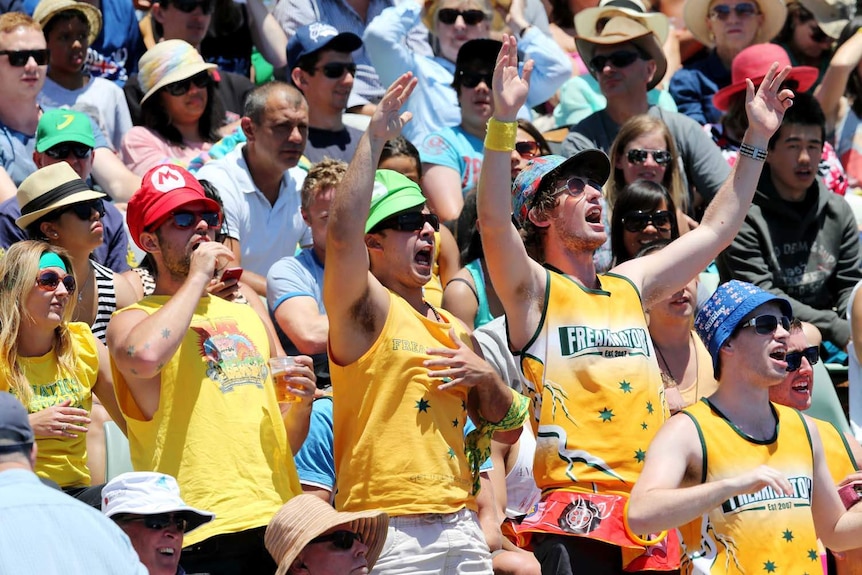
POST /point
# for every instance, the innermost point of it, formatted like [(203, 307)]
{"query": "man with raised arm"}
[(404, 373), (586, 355)]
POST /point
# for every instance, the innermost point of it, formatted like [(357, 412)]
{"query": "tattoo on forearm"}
[(130, 351), (166, 333)]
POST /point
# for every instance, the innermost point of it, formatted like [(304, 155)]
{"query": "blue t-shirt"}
[(456, 149), (300, 275)]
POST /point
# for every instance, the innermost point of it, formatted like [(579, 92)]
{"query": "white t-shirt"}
[(854, 374)]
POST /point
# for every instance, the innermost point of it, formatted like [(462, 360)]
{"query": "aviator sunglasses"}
[(638, 156), (638, 221), (19, 58), (409, 222), (722, 12), (162, 521), (767, 324), (471, 17), (342, 539), (181, 88), (621, 59), (527, 150), (794, 358), (186, 220), (336, 70), (49, 280)]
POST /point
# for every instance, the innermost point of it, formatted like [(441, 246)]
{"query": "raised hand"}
[(765, 107), (388, 121), (510, 88)]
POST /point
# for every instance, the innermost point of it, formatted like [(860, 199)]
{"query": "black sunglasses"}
[(49, 280), (638, 221), (638, 156), (621, 59), (527, 150), (335, 70), (472, 79), (342, 539), (202, 80), (159, 522), (62, 151), (722, 12), (84, 210), (188, 6), (409, 222), (471, 17), (766, 324), (818, 36), (186, 220), (794, 358), (19, 58)]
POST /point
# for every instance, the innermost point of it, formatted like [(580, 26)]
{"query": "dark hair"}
[(256, 100), (639, 195), (398, 147), (154, 117), (652, 246), (805, 111), (544, 147), (854, 82), (542, 202), (63, 16)]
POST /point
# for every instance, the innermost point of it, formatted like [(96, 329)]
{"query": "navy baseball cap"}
[(15, 430), (317, 36)]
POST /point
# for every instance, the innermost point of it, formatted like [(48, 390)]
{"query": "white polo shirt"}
[(266, 233)]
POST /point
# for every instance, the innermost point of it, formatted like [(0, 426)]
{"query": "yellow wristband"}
[(637, 539), (500, 136)]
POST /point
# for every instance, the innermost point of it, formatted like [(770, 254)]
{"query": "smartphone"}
[(231, 274), (851, 494)]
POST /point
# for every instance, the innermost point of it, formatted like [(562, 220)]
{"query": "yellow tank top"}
[(399, 441), (592, 376), (433, 290), (763, 532), (837, 453), (218, 428)]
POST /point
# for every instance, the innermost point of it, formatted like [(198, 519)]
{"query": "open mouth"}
[(778, 355), (594, 215), (423, 257), (803, 385)]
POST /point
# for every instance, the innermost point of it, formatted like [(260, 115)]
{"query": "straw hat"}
[(831, 15), (49, 188), (306, 516), (47, 9), (754, 63), (167, 62), (585, 20), (695, 13), (621, 30)]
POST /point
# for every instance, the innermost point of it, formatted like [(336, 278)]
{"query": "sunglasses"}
[(471, 17), (62, 151), (576, 186), (84, 210), (527, 150), (186, 220), (637, 156), (794, 358), (767, 324), (48, 281), (818, 36), (202, 80), (619, 59), (336, 70), (638, 221), (722, 12), (19, 58), (409, 222), (159, 522), (188, 6), (472, 79), (341, 539)]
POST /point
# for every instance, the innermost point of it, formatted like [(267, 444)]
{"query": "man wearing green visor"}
[(404, 373)]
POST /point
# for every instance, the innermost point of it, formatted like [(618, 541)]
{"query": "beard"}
[(574, 242), (177, 262)]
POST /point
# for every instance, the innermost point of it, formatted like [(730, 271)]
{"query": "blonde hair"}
[(10, 21), (18, 271), (633, 128), (323, 175)]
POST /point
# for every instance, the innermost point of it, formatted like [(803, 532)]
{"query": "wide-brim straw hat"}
[(695, 13), (47, 9), (753, 63), (50, 188), (306, 516), (621, 30), (167, 62), (831, 15), (585, 20)]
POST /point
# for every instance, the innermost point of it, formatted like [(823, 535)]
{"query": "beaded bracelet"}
[(749, 151), (500, 136)]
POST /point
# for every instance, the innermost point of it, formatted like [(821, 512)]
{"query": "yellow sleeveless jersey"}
[(837, 453), (763, 532), (399, 441), (596, 391)]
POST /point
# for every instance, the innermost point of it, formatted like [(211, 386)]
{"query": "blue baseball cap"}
[(726, 308), (317, 36), (15, 430)]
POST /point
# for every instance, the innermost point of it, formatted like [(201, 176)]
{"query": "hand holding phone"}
[(231, 274), (850, 494)]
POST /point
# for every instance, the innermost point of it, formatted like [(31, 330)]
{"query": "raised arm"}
[(662, 273), (354, 300), (518, 280), (831, 90)]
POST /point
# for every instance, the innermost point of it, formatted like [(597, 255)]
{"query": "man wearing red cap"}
[(191, 376)]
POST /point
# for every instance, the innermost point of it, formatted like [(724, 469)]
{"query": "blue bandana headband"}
[(51, 260)]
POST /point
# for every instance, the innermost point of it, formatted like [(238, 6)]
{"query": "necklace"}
[(676, 401), (83, 287), (433, 310)]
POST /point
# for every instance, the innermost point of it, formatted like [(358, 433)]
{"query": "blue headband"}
[(51, 260)]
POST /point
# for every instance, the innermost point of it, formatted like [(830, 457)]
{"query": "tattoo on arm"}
[(166, 333), (130, 351)]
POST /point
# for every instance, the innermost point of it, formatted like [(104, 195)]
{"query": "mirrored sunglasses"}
[(84, 210), (794, 358), (336, 70), (188, 6), (637, 221), (722, 12), (767, 324), (409, 222), (19, 58), (638, 156), (471, 17), (62, 151), (49, 280), (472, 79), (186, 220), (159, 522), (576, 186), (621, 59), (182, 87), (527, 150), (341, 539)]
